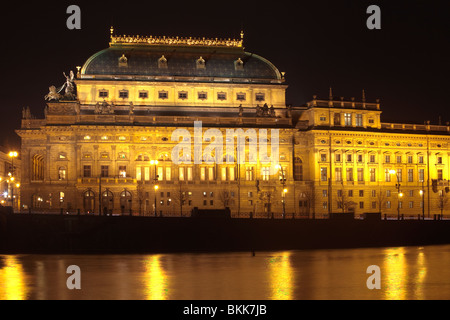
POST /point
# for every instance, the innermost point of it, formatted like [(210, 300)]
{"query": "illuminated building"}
[(105, 128)]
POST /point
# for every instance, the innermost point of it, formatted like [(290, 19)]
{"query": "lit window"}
[(348, 119), (61, 196), (266, 173), (62, 174), (87, 138), (123, 171), (359, 120)]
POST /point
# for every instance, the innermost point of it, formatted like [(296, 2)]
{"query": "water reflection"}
[(395, 273), (156, 280), (12, 283), (281, 277)]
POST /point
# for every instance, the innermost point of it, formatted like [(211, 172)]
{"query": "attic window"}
[(201, 64), (103, 94), (123, 61), (202, 96), (240, 96), (260, 97), (239, 65), (162, 63)]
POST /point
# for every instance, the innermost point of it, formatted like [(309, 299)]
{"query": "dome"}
[(150, 61)]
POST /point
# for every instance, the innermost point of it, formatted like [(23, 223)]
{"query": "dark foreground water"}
[(406, 273)]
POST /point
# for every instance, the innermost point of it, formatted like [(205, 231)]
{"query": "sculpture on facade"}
[(53, 94), (241, 111), (104, 108), (69, 93)]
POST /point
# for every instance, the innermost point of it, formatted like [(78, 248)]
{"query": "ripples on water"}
[(406, 273)]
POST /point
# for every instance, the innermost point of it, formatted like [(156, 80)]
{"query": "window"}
[(439, 160), (163, 95), (123, 94), (123, 61), (298, 169), (323, 174), (359, 120), (138, 173), (400, 204), (324, 193), (103, 94), (374, 204), (421, 175), (348, 119), (411, 204), (260, 97), (439, 174), (350, 193), (372, 175), (411, 193), (361, 193), (410, 159), (374, 193), (181, 174), (168, 174), (162, 63), (360, 158), (249, 174), (323, 118), (349, 158), (337, 119), (387, 175), (38, 168), (201, 63), (239, 64), (211, 174), (387, 158), (360, 174), (338, 174), (372, 158), (61, 197), (182, 95), (143, 94), (240, 97), (361, 205), (104, 171), (87, 171), (420, 159), (266, 173), (222, 96), (410, 175), (325, 205), (349, 174), (338, 157), (224, 174), (122, 171), (388, 204), (202, 96), (323, 157), (160, 173), (190, 176), (399, 175), (399, 159), (388, 193)]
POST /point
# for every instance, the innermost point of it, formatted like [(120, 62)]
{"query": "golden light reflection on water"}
[(156, 280), (420, 277), (395, 273), (12, 283), (281, 277)]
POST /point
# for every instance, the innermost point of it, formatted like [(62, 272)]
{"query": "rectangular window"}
[(387, 175), (260, 97), (232, 174), (399, 159), (325, 205), (338, 173), (410, 175), (350, 193), (388, 193), (439, 160), (359, 120), (224, 174), (162, 95), (266, 173), (400, 175), (337, 119), (123, 94), (181, 174), (324, 193), (222, 96), (143, 95), (183, 95), (339, 193), (388, 204), (202, 96), (411, 193), (190, 176), (104, 171), (374, 193), (349, 158), (372, 175), (360, 158), (349, 174), (103, 94), (147, 173), (361, 205), (420, 159), (360, 174), (240, 97), (372, 158), (387, 159), (361, 193), (400, 204), (323, 174), (168, 174), (87, 171), (249, 174), (348, 119), (421, 175), (410, 159), (160, 173), (338, 157), (374, 204), (439, 174), (211, 174), (323, 157), (203, 174), (122, 171), (138, 173)]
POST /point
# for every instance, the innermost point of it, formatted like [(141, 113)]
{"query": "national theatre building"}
[(106, 142)]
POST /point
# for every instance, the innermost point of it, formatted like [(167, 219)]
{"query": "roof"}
[(206, 59)]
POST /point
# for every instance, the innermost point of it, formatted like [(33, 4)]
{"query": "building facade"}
[(109, 134)]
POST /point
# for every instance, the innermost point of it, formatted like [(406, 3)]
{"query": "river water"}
[(405, 273)]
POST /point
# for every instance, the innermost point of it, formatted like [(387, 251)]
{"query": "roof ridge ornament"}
[(176, 41)]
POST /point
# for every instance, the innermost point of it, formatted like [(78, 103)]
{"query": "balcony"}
[(108, 180)]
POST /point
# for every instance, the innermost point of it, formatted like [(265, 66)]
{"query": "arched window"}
[(298, 169), (125, 201), (89, 201), (143, 157), (37, 168), (62, 173), (107, 201)]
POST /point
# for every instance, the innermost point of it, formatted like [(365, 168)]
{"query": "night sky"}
[(319, 44)]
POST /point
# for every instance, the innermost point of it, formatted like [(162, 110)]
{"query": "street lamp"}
[(400, 194), (422, 193), (155, 180), (12, 155)]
